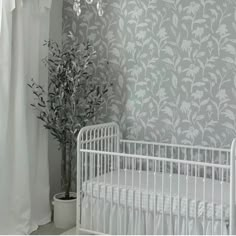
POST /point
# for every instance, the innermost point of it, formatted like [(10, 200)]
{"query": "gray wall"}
[(53, 153), (173, 63)]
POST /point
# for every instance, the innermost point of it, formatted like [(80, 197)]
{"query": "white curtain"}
[(24, 178)]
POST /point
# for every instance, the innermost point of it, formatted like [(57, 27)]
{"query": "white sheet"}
[(119, 220), (106, 186)]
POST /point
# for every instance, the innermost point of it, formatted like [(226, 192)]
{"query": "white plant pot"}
[(64, 211)]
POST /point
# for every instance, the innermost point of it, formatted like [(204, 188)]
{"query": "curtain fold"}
[(24, 178)]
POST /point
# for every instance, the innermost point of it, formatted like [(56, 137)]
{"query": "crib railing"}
[(181, 152), (158, 179)]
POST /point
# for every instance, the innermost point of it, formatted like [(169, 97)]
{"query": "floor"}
[(72, 232), (50, 229)]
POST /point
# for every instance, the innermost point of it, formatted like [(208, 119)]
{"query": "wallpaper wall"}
[(173, 63)]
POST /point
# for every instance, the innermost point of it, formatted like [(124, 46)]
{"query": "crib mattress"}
[(178, 197)]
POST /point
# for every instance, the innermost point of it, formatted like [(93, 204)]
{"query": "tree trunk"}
[(63, 166), (68, 176)]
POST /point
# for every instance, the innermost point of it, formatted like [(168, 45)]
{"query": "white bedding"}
[(106, 187)]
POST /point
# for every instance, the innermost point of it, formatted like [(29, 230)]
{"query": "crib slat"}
[(151, 164), (179, 202), (92, 185), (130, 160), (130, 168), (87, 165), (204, 199), (135, 152), (126, 204), (133, 195), (171, 175), (165, 147), (187, 194), (103, 146), (98, 176), (163, 207), (195, 192), (154, 198), (118, 220), (227, 172), (128, 151), (191, 166), (126, 190), (82, 167), (110, 147), (198, 160), (213, 197), (85, 158), (185, 158), (222, 199), (147, 184), (140, 194)]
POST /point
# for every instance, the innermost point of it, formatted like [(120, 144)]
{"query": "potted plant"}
[(71, 101)]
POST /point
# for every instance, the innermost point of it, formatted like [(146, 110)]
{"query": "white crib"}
[(134, 187)]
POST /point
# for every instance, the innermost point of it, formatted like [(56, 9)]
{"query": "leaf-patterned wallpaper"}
[(173, 63)]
